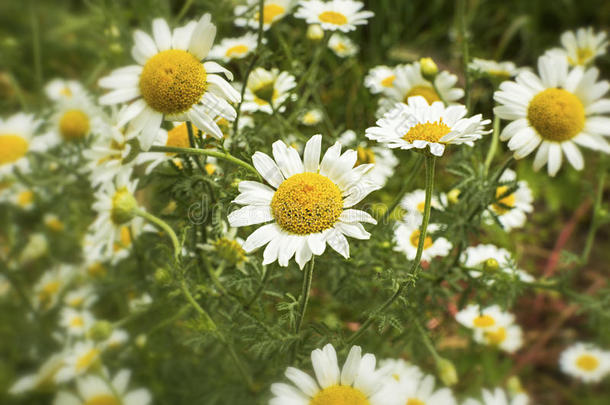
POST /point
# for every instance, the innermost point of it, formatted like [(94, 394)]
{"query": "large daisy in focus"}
[(555, 113), (423, 126), (334, 15), (357, 383), (308, 204), (273, 11), (16, 140), (170, 82)]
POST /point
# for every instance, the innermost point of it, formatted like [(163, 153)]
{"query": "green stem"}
[(206, 152), (405, 187), (465, 51), (209, 323), (184, 9), (193, 145), (426, 339), (494, 143), (260, 289), (595, 219), (438, 93), (305, 290), (164, 227)]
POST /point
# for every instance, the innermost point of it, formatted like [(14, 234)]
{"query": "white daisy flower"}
[(228, 248), (74, 120), (16, 140), (507, 338), (36, 247), (20, 196), (406, 238), (82, 297), (170, 82), (125, 236), (234, 48), (51, 285), (423, 126), (92, 389), (586, 362), (379, 79), (415, 202), (487, 319), (42, 378), (498, 397), (409, 82), (76, 322), (583, 46), (511, 210), (477, 256), (554, 113), (498, 70), (334, 15), (421, 392), (358, 383), (383, 158), (77, 361), (266, 86), (140, 303), (401, 370), (62, 90), (312, 117), (273, 11), (342, 45), (308, 203), (117, 338)]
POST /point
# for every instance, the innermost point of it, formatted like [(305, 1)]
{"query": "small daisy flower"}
[(16, 140), (273, 11), (415, 202), (42, 378), (312, 117), (423, 126), (401, 370), (507, 338), (265, 86), (117, 338), (421, 392), (497, 70), (76, 322), (51, 285), (358, 383), (308, 204), (74, 120), (583, 46), (498, 397), (78, 360), (383, 158), (554, 112), (585, 362), (342, 46), (409, 82), (140, 302), (170, 81), (96, 390), (487, 319), (334, 15), (20, 196), (480, 255), (379, 79), (63, 90), (406, 237), (83, 297), (228, 248), (511, 210), (234, 48)]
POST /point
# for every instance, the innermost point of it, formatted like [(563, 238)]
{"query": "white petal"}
[(302, 380), (202, 37), (338, 242), (554, 159), (261, 237), (350, 216), (317, 243), (145, 44), (150, 131), (213, 67), (311, 155), (250, 215), (287, 159), (573, 155), (199, 116), (351, 366), (267, 169), (120, 96)]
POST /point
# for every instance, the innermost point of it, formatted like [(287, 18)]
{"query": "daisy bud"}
[(162, 276), (123, 206), (141, 340), (101, 330), (514, 385), (490, 265), (315, 32), (429, 70), (454, 196), (446, 371)]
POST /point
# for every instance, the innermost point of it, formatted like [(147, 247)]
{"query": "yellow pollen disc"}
[(25, 198), (74, 125), (425, 91), (236, 50), (12, 148), (270, 13), (48, 290), (339, 395), (77, 322), (415, 239), (125, 236), (496, 337), (76, 302), (210, 168), (484, 321), (172, 81), (431, 132), (587, 362), (388, 81), (96, 270), (415, 401), (508, 201), (307, 203), (421, 206), (365, 156), (332, 17), (66, 92), (104, 399), (583, 56), (556, 114), (85, 361), (230, 250), (178, 136)]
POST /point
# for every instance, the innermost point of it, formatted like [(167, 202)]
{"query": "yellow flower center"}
[(74, 125), (415, 239), (12, 148), (365, 156), (210, 168), (96, 270), (77, 322), (556, 114), (270, 13), (178, 136), (388, 81), (500, 207), (429, 131), (484, 321), (172, 81), (66, 92), (339, 395), (87, 359), (230, 250), (587, 362), (48, 290), (124, 239), (333, 17), (421, 206), (496, 337), (25, 198), (236, 50), (104, 399), (307, 203), (425, 91), (415, 401), (583, 56), (76, 302), (55, 224)]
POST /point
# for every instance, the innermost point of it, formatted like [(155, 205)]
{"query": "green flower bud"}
[(446, 372), (162, 276), (101, 330), (429, 70), (491, 265), (454, 195), (315, 32), (124, 205)]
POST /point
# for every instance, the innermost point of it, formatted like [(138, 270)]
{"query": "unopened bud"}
[(490, 265), (315, 32), (100, 331), (454, 195), (514, 385), (124, 205), (162, 276), (429, 70), (446, 372)]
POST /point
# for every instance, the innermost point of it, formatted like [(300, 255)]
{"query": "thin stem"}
[(465, 51), (494, 143), (164, 227), (438, 93), (426, 339), (193, 144), (184, 9), (206, 152), (405, 187), (305, 290), (594, 219), (260, 288), (210, 325)]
